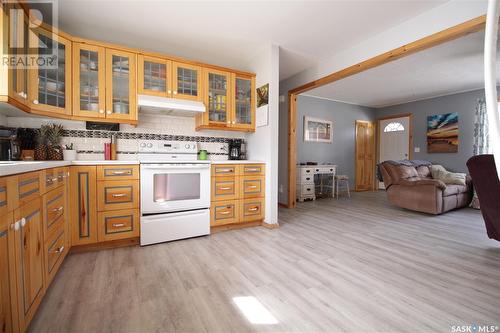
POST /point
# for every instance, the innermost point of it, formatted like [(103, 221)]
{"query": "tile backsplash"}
[(90, 143)]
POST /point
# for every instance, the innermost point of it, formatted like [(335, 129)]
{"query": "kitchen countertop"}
[(238, 162), (8, 168)]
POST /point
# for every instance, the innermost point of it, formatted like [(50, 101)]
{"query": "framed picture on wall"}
[(317, 130), (442, 133)]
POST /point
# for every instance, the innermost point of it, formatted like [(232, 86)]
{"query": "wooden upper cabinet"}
[(18, 39), (89, 87), (121, 85), (243, 103), (187, 81), (218, 97), (49, 88), (154, 76)]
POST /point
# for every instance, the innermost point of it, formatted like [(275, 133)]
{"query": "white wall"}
[(440, 18), (263, 144)]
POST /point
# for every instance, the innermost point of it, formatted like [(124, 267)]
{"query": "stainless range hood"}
[(169, 106)]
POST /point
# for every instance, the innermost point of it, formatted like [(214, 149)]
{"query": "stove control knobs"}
[(150, 145), (187, 146), (143, 145)]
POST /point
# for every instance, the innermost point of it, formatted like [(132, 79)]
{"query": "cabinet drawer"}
[(53, 178), (307, 171), (118, 224), (225, 188), (121, 194), (306, 179), (56, 249), (251, 209), (325, 169), (306, 190), (252, 187), (221, 170), (224, 212), (54, 205), (253, 169), (28, 187), (117, 172), (8, 194)]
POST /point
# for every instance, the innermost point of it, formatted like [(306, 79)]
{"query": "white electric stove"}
[(175, 191)]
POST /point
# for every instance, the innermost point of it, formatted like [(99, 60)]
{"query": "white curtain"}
[(481, 136)]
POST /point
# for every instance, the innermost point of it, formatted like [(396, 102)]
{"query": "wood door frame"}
[(421, 44), (410, 133), (375, 126)]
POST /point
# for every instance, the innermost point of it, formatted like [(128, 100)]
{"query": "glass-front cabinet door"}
[(154, 76), (50, 83), (121, 92), (18, 42), (186, 81), (89, 80), (217, 99), (244, 102)]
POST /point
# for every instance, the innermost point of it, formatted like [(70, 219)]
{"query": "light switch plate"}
[(417, 149)]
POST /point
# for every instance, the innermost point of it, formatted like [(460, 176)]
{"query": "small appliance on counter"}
[(235, 149), (10, 145)]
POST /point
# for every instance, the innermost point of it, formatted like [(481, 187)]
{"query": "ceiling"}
[(230, 33), (455, 66)]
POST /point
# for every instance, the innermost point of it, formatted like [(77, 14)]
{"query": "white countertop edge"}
[(29, 166)]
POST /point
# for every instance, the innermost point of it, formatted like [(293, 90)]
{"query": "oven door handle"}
[(171, 167)]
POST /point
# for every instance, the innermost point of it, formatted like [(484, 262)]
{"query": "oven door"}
[(174, 187)]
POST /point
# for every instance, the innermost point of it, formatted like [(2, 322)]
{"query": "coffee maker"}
[(10, 147), (234, 149)]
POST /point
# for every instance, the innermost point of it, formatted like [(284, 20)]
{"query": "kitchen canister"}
[(202, 155)]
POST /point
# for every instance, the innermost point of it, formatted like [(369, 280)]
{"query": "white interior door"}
[(394, 140)]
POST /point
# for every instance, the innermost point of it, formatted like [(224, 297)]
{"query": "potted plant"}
[(69, 152), (40, 150), (54, 149)]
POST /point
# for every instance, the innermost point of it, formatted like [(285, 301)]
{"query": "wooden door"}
[(18, 74), (83, 205), (49, 90), (243, 102), (365, 156), (154, 76), (121, 85), (89, 68), (8, 292), (217, 98), (186, 81), (29, 260)]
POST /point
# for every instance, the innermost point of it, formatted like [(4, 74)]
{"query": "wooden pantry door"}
[(365, 156)]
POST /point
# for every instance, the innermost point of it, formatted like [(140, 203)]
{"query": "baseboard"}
[(270, 225), (282, 205), (234, 226), (105, 245)]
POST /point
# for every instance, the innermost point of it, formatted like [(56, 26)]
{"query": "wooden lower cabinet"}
[(8, 287), (238, 194), (117, 194), (83, 205), (28, 249), (118, 224)]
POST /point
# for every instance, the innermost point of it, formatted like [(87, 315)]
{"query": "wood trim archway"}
[(427, 42)]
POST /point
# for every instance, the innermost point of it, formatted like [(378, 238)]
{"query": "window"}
[(394, 127)]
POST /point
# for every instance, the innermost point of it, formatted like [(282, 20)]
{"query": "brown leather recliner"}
[(415, 189)]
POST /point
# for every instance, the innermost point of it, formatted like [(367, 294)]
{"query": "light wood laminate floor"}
[(352, 265)]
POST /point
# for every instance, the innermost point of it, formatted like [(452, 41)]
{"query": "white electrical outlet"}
[(281, 188), (417, 149)]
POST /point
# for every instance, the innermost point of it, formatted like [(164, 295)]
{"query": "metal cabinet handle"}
[(253, 209), (108, 112), (59, 250), (234, 122), (252, 186), (228, 122), (101, 111), (169, 91), (121, 172), (119, 195), (35, 101), (225, 170), (117, 225), (224, 213), (58, 209), (175, 92), (225, 188), (23, 222), (252, 169), (15, 226)]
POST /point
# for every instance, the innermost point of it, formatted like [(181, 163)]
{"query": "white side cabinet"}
[(306, 188)]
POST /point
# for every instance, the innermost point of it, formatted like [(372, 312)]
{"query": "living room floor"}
[(352, 265)]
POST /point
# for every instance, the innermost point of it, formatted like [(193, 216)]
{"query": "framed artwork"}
[(442, 133), (263, 95), (317, 130)]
